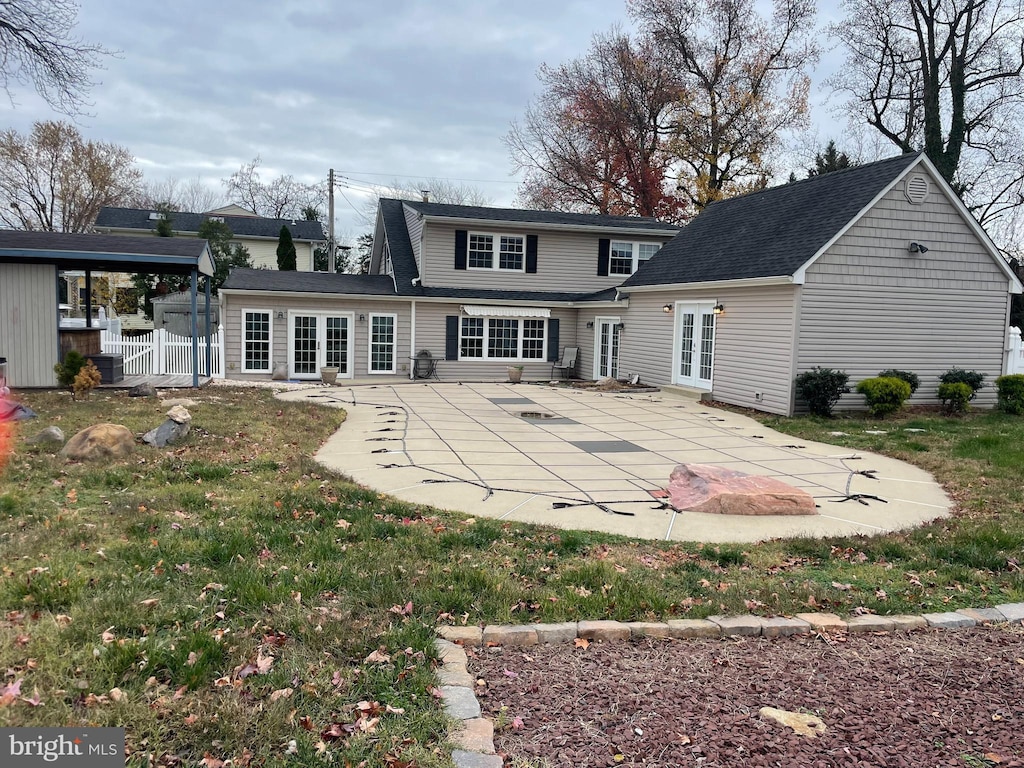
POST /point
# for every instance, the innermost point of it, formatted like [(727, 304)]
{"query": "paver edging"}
[(451, 641)]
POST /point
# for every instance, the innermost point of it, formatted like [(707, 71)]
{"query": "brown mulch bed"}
[(923, 699)]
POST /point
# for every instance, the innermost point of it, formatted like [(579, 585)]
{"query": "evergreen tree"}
[(831, 160), (226, 254), (286, 255)]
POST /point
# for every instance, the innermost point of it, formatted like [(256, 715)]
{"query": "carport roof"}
[(109, 253)]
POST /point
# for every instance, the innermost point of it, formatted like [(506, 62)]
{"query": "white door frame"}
[(699, 310), (598, 322), (321, 350)]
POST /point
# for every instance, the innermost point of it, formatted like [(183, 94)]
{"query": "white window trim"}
[(519, 358), (635, 246), (495, 253), (270, 341), (369, 344)]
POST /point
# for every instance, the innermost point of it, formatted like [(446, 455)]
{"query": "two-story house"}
[(874, 267), (479, 288), (258, 234)]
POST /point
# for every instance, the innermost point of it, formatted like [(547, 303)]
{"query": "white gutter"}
[(506, 224), (746, 282)]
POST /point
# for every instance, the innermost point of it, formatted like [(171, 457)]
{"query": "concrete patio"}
[(591, 460)]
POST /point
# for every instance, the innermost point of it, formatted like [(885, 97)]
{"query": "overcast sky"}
[(378, 91)]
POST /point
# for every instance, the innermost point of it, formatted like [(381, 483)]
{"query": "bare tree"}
[(595, 139), (743, 82), (55, 180), (280, 198), (437, 191), (191, 195), (37, 47), (944, 76)]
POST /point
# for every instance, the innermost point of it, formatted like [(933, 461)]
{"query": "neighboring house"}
[(878, 266), (259, 235)]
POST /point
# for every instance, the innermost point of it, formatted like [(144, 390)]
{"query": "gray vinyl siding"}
[(566, 261), (753, 343), (868, 304), (263, 253), (414, 224), (430, 335), (28, 323), (234, 304)]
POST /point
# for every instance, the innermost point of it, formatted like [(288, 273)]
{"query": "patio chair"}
[(567, 364), (424, 365)]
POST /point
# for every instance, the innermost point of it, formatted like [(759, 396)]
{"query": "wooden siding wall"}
[(565, 261), (868, 304), (414, 223), (28, 323), (430, 334), (753, 343), (235, 304)]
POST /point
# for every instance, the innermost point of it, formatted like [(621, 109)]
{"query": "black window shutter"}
[(604, 252), (451, 337), (531, 254), (553, 340), (460, 248)]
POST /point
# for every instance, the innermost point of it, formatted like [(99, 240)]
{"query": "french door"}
[(316, 340), (606, 347), (694, 344)]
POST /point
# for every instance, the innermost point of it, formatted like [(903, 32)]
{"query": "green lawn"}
[(221, 598)]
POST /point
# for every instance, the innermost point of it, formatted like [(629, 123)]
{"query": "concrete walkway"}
[(589, 460)]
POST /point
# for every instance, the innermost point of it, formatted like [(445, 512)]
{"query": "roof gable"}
[(772, 233)]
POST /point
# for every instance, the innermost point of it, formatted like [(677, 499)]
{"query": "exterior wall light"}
[(362, 318), (718, 309), (918, 248), (620, 326), (590, 324), (667, 309)]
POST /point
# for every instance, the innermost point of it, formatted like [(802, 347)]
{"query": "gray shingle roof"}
[(309, 282), (242, 226), (770, 233), (403, 262), (105, 252), (521, 216)]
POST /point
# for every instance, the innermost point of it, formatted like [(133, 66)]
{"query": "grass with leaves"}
[(228, 599)]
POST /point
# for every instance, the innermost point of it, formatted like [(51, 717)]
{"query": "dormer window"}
[(491, 251), (626, 257)]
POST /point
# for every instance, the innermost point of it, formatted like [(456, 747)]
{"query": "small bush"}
[(86, 380), (1011, 393), (884, 394), (908, 376), (821, 389), (66, 371), (972, 379), (955, 396)]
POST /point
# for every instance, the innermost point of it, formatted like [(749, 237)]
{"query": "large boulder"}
[(168, 433), (720, 491), (100, 441)]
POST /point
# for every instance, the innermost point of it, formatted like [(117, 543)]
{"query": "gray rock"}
[(48, 435), (460, 702), (463, 759), (168, 433), (185, 402), (100, 441), (142, 390)]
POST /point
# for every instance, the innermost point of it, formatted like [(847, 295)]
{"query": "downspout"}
[(412, 340)]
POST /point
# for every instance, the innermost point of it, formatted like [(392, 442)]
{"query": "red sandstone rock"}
[(720, 491)]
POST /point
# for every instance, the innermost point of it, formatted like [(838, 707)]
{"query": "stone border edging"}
[(476, 736)]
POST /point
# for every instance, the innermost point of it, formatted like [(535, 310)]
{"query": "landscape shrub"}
[(821, 389), (87, 379), (955, 375), (884, 394), (1011, 393), (955, 396), (68, 370), (908, 376)]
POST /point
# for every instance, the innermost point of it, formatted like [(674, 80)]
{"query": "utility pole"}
[(330, 221)]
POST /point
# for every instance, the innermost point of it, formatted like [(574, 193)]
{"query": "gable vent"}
[(917, 189)]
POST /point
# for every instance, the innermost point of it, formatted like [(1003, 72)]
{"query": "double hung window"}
[(490, 251), (502, 338)]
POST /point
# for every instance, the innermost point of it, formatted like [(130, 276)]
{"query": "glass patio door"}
[(606, 347), (695, 345), (316, 340)]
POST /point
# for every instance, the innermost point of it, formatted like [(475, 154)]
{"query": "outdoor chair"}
[(567, 365), (424, 365)]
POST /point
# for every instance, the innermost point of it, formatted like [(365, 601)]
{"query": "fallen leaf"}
[(35, 701), (10, 692), (517, 724), (842, 587), (116, 695), (282, 693), (108, 637), (509, 673), (377, 657), (394, 710), (343, 524), (191, 719), (149, 603), (581, 642), (192, 659), (211, 762)]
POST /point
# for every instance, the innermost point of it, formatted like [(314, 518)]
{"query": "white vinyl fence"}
[(1015, 351), (161, 353)]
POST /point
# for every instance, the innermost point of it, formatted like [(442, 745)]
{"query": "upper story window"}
[(626, 257), (487, 251)]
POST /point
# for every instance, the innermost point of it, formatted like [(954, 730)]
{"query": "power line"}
[(438, 178)]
